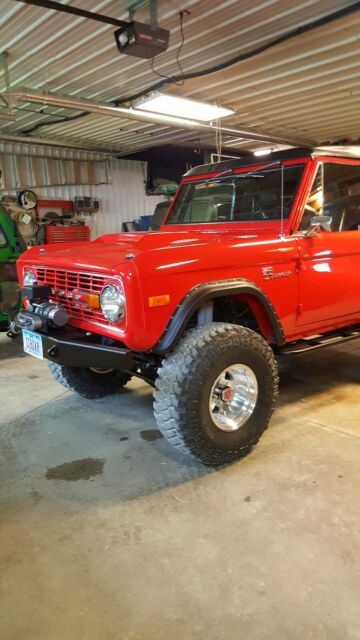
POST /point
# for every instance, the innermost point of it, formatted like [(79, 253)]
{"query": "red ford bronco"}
[(254, 259)]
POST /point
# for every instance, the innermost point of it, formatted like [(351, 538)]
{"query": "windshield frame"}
[(238, 225)]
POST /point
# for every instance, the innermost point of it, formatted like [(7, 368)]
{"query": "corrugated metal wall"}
[(122, 199)]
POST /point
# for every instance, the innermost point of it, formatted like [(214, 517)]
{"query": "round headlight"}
[(112, 302), (28, 279)]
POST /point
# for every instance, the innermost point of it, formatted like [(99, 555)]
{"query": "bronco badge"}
[(268, 273)]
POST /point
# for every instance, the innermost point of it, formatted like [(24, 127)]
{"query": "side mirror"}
[(318, 223)]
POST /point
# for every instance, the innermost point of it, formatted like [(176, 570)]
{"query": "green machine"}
[(11, 246)]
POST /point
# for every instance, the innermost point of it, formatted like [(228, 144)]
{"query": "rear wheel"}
[(89, 383), (215, 393)]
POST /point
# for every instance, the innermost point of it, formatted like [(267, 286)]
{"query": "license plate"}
[(32, 344)]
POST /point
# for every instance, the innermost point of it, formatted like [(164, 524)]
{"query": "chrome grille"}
[(66, 286)]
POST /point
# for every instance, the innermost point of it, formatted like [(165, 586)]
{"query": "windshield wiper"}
[(219, 175), (242, 175), (249, 173)]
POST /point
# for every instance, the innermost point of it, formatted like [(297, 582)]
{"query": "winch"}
[(41, 312)]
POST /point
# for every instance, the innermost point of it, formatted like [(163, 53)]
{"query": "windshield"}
[(262, 195)]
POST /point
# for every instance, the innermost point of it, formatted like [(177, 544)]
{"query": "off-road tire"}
[(184, 382), (88, 383)]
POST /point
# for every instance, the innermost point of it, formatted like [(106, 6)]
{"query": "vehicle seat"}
[(244, 206), (306, 219), (269, 204), (159, 215), (222, 209), (201, 211)]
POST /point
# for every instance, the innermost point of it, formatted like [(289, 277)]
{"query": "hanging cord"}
[(50, 123), (180, 81), (182, 42), (218, 139), (157, 72)]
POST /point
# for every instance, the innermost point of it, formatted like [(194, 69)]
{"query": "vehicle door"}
[(329, 265)]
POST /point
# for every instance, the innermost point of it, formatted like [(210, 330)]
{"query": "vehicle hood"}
[(158, 250), (102, 257)]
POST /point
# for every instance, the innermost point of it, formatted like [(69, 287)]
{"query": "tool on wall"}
[(27, 199)]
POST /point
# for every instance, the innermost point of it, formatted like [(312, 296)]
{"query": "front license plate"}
[(32, 344)]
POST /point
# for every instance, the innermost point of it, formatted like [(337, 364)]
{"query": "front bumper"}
[(75, 349), (66, 346)]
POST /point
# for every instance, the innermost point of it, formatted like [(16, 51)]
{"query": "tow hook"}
[(13, 331)]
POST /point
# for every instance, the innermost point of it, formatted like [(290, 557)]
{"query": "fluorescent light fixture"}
[(183, 107), (262, 152), (160, 117)]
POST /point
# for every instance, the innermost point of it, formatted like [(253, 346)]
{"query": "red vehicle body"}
[(294, 283)]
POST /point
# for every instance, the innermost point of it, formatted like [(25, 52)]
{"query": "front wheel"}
[(215, 393), (89, 383)]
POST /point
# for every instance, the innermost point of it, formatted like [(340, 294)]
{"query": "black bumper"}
[(75, 350)]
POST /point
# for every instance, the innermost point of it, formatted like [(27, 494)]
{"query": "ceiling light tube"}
[(262, 152), (182, 107), (167, 119)]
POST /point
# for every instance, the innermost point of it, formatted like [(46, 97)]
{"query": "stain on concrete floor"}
[(76, 470), (150, 435)]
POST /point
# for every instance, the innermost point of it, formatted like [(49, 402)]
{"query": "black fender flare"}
[(202, 293)]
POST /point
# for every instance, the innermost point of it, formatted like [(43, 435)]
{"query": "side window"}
[(336, 193), (342, 196)]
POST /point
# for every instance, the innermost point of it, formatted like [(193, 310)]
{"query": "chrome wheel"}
[(233, 397)]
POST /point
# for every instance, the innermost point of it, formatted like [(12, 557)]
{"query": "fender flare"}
[(200, 294)]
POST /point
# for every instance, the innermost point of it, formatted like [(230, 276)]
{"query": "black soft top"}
[(350, 151)]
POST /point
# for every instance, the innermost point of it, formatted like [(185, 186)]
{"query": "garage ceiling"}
[(306, 88)]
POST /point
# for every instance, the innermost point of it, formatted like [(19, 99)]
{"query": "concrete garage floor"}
[(150, 545)]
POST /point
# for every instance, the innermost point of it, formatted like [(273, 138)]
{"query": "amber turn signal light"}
[(159, 301), (93, 301)]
